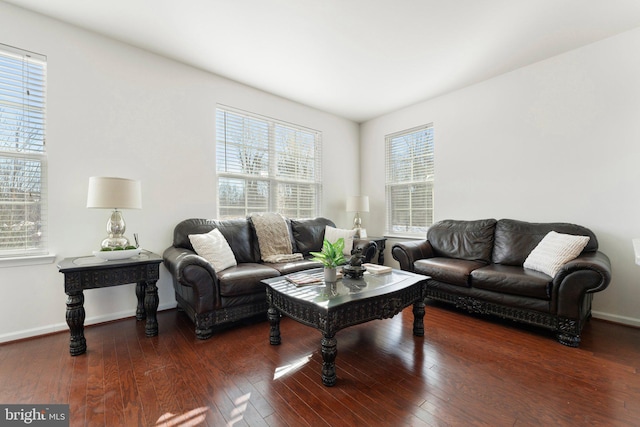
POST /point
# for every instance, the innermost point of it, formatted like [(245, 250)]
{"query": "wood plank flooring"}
[(466, 371)]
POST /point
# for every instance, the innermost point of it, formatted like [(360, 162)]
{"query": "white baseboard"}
[(50, 329), (629, 321)]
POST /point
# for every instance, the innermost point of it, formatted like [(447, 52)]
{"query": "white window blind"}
[(23, 195), (265, 165), (409, 166)]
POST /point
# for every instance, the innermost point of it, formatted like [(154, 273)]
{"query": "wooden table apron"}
[(331, 320), (143, 270)]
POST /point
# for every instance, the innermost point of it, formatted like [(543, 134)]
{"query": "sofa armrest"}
[(369, 249), (594, 261), (588, 273), (177, 259), (406, 253)]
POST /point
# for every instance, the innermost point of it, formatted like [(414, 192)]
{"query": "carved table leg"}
[(151, 302), (329, 353), (418, 318), (141, 288), (381, 247), (75, 320), (274, 320)]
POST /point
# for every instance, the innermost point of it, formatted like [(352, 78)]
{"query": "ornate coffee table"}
[(348, 302)]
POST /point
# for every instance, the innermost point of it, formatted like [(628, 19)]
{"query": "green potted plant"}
[(331, 257)]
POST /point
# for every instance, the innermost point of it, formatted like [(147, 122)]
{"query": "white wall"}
[(114, 110), (555, 141)]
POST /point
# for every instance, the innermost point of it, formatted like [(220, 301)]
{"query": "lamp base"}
[(357, 221), (360, 233), (115, 228), (115, 242)]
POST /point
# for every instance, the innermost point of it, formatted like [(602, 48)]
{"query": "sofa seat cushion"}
[(244, 279), (483, 295), (295, 266), (258, 298), (449, 270), (512, 280)]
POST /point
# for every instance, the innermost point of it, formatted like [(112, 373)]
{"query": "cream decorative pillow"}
[(555, 250), (332, 234), (213, 247)]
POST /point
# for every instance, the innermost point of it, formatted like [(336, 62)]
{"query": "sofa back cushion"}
[(308, 234), (238, 233), (468, 240), (242, 239), (514, 240), (190, 226)]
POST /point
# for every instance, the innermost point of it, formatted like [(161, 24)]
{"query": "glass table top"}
[(345, 289)]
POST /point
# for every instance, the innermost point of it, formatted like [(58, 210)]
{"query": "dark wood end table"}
[(381, 242), (89, 272), (348, 302)]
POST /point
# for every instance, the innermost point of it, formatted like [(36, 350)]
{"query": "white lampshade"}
[(358, 204), (114, 193)]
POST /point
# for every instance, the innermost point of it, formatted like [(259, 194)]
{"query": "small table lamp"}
[(358, 204), (114, 193)]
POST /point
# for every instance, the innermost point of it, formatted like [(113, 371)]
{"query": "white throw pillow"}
[(213, 247), (332, 234), (555, 250)]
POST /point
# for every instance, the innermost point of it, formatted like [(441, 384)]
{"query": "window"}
[(23, 196), (265, 165), (409, 170)]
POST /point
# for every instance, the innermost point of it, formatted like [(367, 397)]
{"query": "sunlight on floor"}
[(196, 417), (238, 411), (292, 367), (193, 417)]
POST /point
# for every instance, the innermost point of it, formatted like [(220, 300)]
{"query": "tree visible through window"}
[(22, 153), (409, 166), (265, 165)]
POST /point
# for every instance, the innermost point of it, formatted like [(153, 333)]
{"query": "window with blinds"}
[(409, 167), (265, 165), (23, 195)]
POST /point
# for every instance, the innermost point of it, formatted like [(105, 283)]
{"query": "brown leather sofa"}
[(478, 266), (212, 298)]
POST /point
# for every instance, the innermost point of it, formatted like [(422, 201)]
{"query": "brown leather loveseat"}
[(478, 266), (211, 297)]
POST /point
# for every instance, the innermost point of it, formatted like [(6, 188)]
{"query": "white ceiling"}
[(355, 58)]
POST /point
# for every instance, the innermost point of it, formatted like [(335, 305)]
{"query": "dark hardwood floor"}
[(466, 371)]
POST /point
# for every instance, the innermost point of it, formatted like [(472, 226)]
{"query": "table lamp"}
[(114, 193), (358, 204)]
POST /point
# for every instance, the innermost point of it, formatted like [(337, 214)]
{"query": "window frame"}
[(269, 177), (23, 99), (414, 228)]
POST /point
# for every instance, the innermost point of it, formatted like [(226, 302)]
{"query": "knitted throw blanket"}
[(273, 237)]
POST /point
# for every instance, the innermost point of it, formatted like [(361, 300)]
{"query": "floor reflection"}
[(292, 367), (193, 417)]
